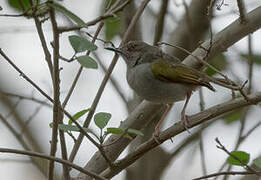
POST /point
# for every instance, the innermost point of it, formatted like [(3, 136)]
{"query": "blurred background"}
[(20, 41)]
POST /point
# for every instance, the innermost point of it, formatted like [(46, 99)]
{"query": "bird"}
[(159, 77)]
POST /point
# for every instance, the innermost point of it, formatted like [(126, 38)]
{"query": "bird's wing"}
[(178, 73)]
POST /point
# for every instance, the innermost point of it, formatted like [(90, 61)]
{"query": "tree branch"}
[(51, 158), (178, 128)]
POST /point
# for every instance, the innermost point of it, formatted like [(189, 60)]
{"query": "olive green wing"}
[(178, 73)]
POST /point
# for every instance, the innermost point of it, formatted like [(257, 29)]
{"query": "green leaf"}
[(136, 132), (101, 119), (16, 4), (112, 27), (68, 13), (78, 115), (113, 130), (255, 57), (233, 116), (128, 136), (87, 62), (257, 162), (241, 155), (219, 62), (1, 8), (66, 128), (81, 44)]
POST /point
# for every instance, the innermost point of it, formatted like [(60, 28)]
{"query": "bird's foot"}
[(184, 121), (155, 135)]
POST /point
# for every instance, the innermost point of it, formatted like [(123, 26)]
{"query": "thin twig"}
[(49, 98), (46, 95), (250, 64), (239, 139), (113, 80), (249, 132), (12, 15), (17, 135), (24, 76), (99, 28), (25, 98), (51, 158), (225, 173), (210, 31), (242, 12), (222, 147), (73, 153), (201, 143), (57, 114), (160, 21), (46, 51), (100, 39), (177, 128), (220, 4), (80, 137), (13, 108), (107, 76), (96, 20), (245, 110), (36, 111)]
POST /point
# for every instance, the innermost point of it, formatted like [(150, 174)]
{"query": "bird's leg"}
[(183, 115), (157, 128)]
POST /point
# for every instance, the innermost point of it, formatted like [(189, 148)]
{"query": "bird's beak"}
[(117, 50)]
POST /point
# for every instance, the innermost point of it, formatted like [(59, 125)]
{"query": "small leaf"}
[(136, 132), (16, 4), (68, 13), (219, 62), (257, 162), (1, 8), (66, 128), (87, 62), (78, 115), (128, 136), (241, 155), (256, 58), (101, 119), (113, 130), (51, 125), (81, 44), (112, 27), (233, 116)]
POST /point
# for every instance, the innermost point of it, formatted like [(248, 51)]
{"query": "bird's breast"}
[(142, 81)]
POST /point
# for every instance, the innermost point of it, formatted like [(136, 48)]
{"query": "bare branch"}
[(51, 158), (242, 12), (109, 71), (57, 113), (160, 21), (225, 173), (222, 147), (178, 128), (96, 20)]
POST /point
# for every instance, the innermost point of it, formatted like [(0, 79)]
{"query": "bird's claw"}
[(155, 136), (184, 120)]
